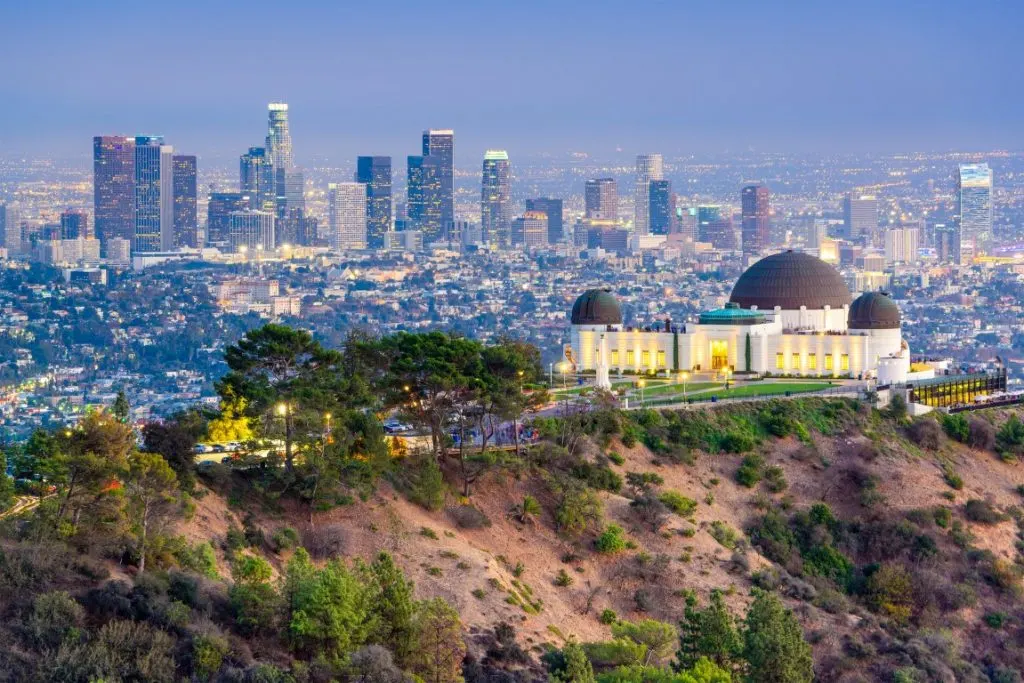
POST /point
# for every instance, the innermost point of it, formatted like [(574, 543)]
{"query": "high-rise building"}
[(901, 245), (715, 226), (530, 230), (294, 191), (648, 168), (947, 243), (74, 224), (661, 207), (297, 228), (10, 228), (440, 144), (423, 197), (346, 215), (186, 214), (860, 216), (974, 210), (256, 179), (601, 199), (756, 219), (251, 231), (279, 147), (154, 194), (552, 208), (113, 163), (496, 198), (375, 173), (219, 209), (686, 219)]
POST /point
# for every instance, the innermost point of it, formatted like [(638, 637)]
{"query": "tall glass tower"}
[(755, 212), (154, 194), (186, 219), (660, 207), (496, 199), (279, 147), (423, 203), (974, 210), (375, 173), (648, 168), (440, 144), (113, 164), (256, 179)]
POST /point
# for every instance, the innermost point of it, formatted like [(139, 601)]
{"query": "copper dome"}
[(874, 311), (789, 280), (596, 307)]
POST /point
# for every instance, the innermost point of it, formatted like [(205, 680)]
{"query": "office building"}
[(756, 219), (10, 228), (154, 194), (860, 217), (601, 199), (113, 164), (530, 230), (251, 232), (375, 173), (219, 209), (947, 243), (440, 144), (901, 245), (648, 168), (346, 216), (496, 198), (186, 213), (552, 208), (423, 204), (297, 228), (974, 210), (686, 221), (279, 148), (714, 225), (661, 207), (74, 225), (294, 191), (256, 179)]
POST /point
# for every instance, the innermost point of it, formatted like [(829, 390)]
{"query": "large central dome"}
[(790, 280)]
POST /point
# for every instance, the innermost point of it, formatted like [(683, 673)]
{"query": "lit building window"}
[(615, 357), (812, 361), (630, 357), (780, 361), (661, 359), (844, 362), (796, 361), (645, 359), (828, 361)]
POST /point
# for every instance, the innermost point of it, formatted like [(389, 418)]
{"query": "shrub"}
[(642, 482), (55, 617), (617, 458), (726, 536), (926, 433), (285, 538), (598, 477), (650, 510), (954, 480), (198, 558), (981, 435), (678, 503), (425, 484), (562, 579), (735, 441), (956, 427), (943, 517), (208, 653), (751, 470), (611, 540), (579, 508), (982, 512), (775, 479), (1010, 438), (608, 616), (613, 653), (470, 517), (890, 590), (995, 619), (376, 663), (325, 541)]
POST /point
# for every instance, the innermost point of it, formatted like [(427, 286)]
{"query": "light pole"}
[(562, 368), (551, 374), (641, 383), (684, 376), (284, 409)]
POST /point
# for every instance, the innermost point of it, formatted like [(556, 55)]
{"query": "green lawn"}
[(678, 388), (768, 389)]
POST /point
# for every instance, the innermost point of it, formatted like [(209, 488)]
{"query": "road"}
[(21, 504)]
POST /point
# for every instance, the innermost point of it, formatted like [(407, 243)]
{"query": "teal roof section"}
[(732, 314)]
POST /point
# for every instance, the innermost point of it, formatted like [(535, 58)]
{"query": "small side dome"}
[(596, 307), (874, 311)]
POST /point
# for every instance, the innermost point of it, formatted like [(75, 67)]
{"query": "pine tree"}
[(121, 409), (774, 644), (709, 633), (577, 667)]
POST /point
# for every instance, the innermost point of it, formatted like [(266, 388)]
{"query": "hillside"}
[(911, 573)]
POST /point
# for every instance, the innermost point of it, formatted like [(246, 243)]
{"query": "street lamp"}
[(563, 367), (727, 371), (684, 376), (641, 383), (285, 411)]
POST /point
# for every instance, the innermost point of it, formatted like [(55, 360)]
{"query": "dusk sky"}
[(527, 76)]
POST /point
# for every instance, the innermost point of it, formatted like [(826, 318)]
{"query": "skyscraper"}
[(530, 230), (113, 158), (218, 223), (715, 226), (947, 243), (552, 208), (154, 194), (648, 168), (601, 197), (186, 215), (10, 228), (279, 148), (346, 215), (496, 198), (756, 217), (860, 216), (74, 224), (901, 245), (423, 197), (974, 210), (440, 144), (661, 207), (375, 173), (256, 179)]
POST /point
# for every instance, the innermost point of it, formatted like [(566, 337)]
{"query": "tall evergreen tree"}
[(774, 644), (709, 633)]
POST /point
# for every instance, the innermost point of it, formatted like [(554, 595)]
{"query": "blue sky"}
[(532, 77)]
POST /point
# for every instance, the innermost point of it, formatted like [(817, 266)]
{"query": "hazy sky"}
[(529, 76)]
